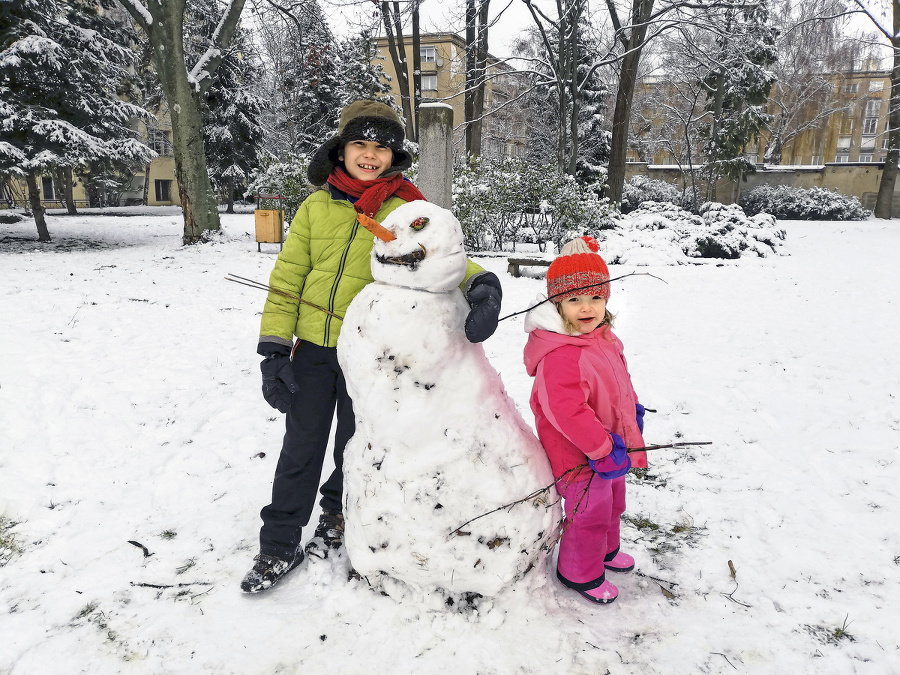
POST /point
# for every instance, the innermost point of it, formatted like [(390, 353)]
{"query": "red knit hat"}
[(576, 271)]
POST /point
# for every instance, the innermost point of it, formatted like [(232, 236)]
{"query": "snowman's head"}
[(419, 245)]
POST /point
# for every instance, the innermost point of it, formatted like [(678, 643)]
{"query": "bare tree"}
[(811, 47), (885, 14), (162, 21), (393, 29), (477, 29)]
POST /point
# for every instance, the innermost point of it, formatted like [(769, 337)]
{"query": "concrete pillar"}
[(435, 178)]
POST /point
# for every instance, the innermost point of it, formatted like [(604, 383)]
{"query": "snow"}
[(130, 411)]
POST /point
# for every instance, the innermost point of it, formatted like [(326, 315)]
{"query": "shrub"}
[(510, 200), (286, 178), (794, 203), (662, 233), (641, 189)]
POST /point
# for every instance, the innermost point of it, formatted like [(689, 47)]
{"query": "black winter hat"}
[(361, 120)]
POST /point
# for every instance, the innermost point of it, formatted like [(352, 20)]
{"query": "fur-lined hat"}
[(361, 120)]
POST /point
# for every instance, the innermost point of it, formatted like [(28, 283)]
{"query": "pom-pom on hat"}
[(361, 120), (578, 270)]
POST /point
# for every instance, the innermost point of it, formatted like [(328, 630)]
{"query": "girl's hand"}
[(616, 463)]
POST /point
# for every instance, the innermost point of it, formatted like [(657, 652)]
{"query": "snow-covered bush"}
[(662, 233), (795, 203), (286, 178), (641, 189), (510, 200)]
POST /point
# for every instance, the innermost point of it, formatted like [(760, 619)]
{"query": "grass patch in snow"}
[(9, 545)]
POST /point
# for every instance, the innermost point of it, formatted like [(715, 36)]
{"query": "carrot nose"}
[(375, 227)]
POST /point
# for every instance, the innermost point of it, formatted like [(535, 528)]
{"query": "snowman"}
[(439, 445)]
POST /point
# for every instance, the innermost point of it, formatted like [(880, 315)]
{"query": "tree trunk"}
[(194, 189), (634, 44), (417, 66), (163, 21), (64, 181), (146, 191), (476, 65), (885, 201), (397, 50), (230, 208), (37, 209)]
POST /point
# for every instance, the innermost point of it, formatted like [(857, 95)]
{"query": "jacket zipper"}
[(337, 279)]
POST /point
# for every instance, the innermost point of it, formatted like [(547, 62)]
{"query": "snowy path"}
[(130, 411)]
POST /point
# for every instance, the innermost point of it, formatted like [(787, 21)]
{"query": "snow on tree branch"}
[(200, 76), (140, 13)]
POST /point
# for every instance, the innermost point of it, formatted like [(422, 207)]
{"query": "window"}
[(851, 88), (870, 125), (885, 144), (842, 158), (876, 85), (872, 107), (47, 188), (163, 190), (816, 159), (429, 82), (428, 54), (868, 143), (843, 143), (847, 126), (752, 158), (159, 141), (865, 158)]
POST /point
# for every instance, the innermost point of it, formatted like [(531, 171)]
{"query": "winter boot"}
[(603, 594), (267, 571), (329, 534), (619, 562)]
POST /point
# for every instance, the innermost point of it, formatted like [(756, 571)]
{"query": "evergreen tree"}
[(232, 130), (363, 76), (737, 89), (59, 96), (303, 76)]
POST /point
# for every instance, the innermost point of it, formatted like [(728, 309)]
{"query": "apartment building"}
[(443, 74)]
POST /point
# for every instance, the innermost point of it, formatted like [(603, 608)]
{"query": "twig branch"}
[(457, 531), (669, 445), (278, 291), (583, 288), (146, 551), (192, 583)]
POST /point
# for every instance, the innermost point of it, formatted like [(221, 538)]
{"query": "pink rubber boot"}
[(603, 594), (621, 562)]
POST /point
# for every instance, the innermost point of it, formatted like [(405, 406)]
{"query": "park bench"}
[(516, 263)]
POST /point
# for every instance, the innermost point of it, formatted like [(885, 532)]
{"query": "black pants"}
[(307, 428)]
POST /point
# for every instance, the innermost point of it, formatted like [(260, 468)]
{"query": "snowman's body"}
[(438, 441)]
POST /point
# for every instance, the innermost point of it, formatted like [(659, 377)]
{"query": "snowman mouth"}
[(408, 259)]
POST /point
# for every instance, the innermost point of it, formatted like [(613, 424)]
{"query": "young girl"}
[(587, 415)]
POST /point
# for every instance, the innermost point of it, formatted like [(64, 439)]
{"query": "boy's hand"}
[(278, 383), (616, 463), (483, 296)]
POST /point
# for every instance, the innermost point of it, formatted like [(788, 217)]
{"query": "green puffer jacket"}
[(325, 261)]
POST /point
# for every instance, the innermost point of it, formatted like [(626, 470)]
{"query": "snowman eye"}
[(419, 223)]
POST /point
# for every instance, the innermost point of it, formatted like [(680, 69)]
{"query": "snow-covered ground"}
[(136, 451)]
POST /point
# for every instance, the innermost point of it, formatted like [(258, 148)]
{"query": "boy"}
[(325, 261)]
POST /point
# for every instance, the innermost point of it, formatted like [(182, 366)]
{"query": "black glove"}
[(278, 383), (484, 296)]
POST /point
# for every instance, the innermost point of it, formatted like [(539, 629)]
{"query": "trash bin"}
[(269, 216)]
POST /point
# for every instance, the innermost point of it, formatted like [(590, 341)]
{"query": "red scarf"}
[(370, 194)]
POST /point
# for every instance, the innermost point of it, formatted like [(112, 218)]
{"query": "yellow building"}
[(443, 74)]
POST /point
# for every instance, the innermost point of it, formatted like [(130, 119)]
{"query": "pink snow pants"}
[(593, 509)]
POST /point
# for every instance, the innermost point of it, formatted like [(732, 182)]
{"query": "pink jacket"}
[(582, 391)]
